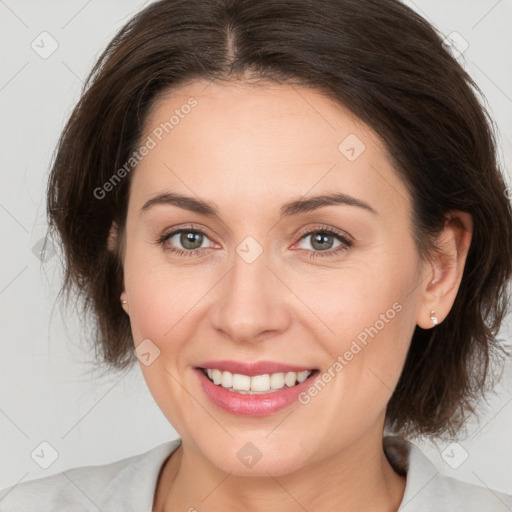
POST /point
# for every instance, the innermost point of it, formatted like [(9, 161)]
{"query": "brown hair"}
[(389, 67)]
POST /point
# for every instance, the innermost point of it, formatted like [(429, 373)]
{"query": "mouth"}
[(254, 395), (255, 384)]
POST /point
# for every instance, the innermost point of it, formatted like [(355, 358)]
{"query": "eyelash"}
[(346, 242)]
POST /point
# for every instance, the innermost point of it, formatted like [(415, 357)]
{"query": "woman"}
[(293, 211)]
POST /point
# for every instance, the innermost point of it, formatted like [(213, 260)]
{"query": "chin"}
[(258, 458)]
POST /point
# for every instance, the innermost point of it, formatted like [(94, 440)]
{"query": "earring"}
[(124, 302), (433, 317)]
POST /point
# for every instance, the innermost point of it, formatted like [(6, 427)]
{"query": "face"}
[(328, 287)]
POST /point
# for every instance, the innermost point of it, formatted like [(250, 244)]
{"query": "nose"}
[(251, 304)]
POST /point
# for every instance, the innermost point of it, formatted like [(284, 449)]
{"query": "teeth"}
[(217, 376), (227, 380), (277, 381), (290, 378), (256, 384), (260, 383), (302, 376), (242, 382)]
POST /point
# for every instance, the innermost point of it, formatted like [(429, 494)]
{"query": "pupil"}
[(190, 238), (321, 238)]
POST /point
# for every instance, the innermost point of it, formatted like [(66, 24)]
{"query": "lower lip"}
[(252, 405)]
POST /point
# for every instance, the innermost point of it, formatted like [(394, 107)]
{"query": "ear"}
[(113, 237), (443, 273), (113, 245)]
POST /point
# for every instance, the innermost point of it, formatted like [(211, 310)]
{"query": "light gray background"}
[(47, 393)]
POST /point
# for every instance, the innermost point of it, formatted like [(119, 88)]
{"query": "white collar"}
[(427, 490)]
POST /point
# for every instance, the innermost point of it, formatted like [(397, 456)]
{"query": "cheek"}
[(160, 294), (355, 304), (150, 312), (367, 323), (162, 310)]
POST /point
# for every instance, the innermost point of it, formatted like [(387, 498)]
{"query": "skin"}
[(249, 150)]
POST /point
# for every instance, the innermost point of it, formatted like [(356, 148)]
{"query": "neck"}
[(358, 476)]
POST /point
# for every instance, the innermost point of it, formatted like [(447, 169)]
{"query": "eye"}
[(190, 238), (192, 241), (322, 240)]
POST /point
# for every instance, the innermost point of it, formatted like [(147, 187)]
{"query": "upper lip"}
[(250, 369)]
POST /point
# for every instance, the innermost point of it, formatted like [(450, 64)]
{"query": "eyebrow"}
[(294, 207)]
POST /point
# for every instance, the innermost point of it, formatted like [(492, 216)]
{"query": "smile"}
[(256, 384), (258, 394)]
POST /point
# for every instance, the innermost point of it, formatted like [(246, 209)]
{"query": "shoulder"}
[(429, 490), (109, 487)]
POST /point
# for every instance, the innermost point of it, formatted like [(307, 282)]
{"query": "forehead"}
[(244, 141)]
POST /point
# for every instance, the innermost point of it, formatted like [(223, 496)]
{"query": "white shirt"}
[(128, 485)]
